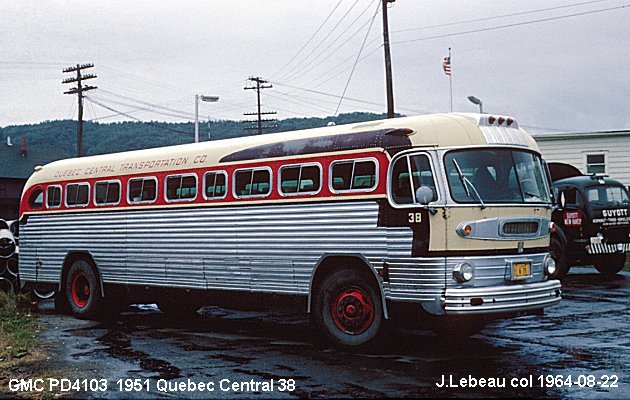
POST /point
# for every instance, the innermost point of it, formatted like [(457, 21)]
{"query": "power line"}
[(310, 39), (500, 16), (173, 110), (305, 59), (512, 25), (323, 51), (357, 60), (134, 118), (168, 114)]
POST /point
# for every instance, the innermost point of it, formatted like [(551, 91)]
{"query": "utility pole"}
[(388, 62), (79, 89), (260, 84)]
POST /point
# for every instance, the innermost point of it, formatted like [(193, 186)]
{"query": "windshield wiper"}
[(467, 183), (534, 195)]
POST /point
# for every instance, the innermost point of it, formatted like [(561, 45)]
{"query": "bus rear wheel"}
[(347, 309), (83, 291)]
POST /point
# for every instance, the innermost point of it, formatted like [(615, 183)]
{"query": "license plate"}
[(521, 270)]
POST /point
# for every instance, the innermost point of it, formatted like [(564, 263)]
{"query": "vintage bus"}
[(448, 214)]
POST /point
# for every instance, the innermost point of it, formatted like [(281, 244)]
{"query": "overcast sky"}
[(556, 65)]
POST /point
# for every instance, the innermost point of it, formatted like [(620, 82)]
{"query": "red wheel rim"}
[(80, 289), (352, 311)]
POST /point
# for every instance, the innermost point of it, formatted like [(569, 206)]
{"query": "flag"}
[(446, 65)]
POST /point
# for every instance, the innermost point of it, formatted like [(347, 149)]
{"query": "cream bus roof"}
[(436, 130)]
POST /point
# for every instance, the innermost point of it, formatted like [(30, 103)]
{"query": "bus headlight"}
[(550, 266), (463, 272)]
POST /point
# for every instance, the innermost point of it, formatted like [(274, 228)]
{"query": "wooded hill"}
[(103, 138)]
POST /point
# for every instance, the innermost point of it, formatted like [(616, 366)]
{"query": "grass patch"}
[(17, 326)]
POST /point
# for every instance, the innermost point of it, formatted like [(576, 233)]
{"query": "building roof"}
[(579, 135), (14, 166)]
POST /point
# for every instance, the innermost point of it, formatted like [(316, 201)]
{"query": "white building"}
[(596, 152)]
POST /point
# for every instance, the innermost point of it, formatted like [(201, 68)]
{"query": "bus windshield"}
[(496, 176)]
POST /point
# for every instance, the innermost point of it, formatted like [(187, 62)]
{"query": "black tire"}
[(611, 263), (559, 255), (83, 291), (179, 306), (347, 309), (61, 304)]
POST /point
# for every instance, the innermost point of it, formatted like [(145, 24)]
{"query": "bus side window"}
[(215, 184), (142, 190), (300, 179), (353, 175), (181, 187), (107, 193), (77, 194), (36, 199), (53, 196), (252, 183), (421, 176)]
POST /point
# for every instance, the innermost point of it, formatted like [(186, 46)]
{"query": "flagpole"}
[(450, 78)]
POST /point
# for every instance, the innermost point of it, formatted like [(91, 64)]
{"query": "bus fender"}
[(78, 254), (359, 260)]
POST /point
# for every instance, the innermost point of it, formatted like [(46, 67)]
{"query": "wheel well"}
[(336, 263), (70, 259)]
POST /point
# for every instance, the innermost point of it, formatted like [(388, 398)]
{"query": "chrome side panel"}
[(412, 278), (254, 248)]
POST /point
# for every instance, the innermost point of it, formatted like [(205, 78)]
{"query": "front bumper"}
[(501, 299)]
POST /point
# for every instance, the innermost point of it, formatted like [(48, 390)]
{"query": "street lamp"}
[(199, 97), (475, 100)]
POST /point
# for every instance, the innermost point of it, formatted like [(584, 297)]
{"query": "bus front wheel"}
[(83, 291), (347, 309)]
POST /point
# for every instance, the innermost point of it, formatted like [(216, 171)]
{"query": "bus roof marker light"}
[(510, 121), (501, 120), (491, 120)]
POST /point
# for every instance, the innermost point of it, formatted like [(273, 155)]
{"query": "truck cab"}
[(592, 223)]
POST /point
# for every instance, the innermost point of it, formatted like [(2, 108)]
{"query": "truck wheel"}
[(347, 309), (83, 291), (611, 263), (559, 255)]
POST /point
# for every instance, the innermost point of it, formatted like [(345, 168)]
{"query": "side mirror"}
[(424, 195)]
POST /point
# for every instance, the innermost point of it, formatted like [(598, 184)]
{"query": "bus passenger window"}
[(421, 176), (215, 185), (107, 193), (36, 200), (353, 175), (77, 194), (300, 179), (142, 190), (53, 196), (252, 183), (181, 187)]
